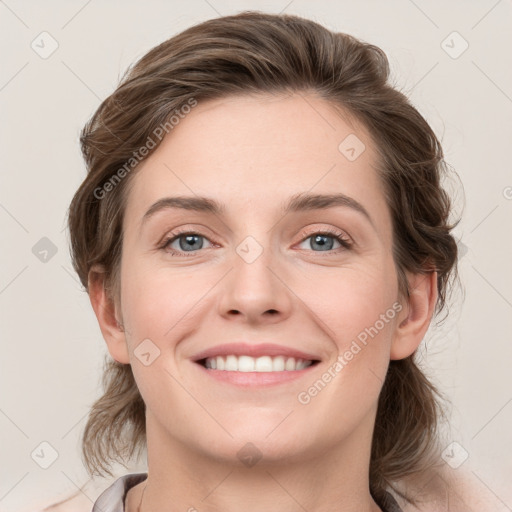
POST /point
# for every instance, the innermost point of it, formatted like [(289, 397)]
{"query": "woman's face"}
[(266, 268)]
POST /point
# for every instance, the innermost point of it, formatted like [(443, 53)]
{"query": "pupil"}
[(320, 240), (190, 239)]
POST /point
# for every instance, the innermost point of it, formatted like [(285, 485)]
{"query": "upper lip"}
[(253, 350)]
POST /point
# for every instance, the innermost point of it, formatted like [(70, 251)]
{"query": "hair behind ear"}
[(116, 425), (409, 410)]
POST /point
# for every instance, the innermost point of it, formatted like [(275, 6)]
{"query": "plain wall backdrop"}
[(60, 59)]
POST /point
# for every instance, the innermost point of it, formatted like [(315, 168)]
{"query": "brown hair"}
[(253, 52)]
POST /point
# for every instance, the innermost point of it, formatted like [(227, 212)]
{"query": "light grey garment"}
[(112, 499)]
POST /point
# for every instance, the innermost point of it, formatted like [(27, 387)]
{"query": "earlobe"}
[(107, 316), (417, 314)]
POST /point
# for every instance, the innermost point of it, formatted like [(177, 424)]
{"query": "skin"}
[(252, 153)]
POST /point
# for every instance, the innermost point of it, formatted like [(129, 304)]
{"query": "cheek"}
[(150, 305), (142, 304), (158, 309), (352, 301), (358, 314), (160, 303)]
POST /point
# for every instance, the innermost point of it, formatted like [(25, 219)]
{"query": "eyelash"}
[(339, 236)]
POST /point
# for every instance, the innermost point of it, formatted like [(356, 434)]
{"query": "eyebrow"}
[(299, 202)]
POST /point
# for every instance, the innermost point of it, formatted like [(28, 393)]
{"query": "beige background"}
[(52, 349)]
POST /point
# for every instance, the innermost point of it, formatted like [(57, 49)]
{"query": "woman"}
[(264, 239)]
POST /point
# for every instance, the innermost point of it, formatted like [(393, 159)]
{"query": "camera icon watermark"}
[(44, 455), (454, 455), (249, 249), (462, 249), (351, 147), (146, 352), (44, 44), (249, 454), (44, 250), (454, 45)]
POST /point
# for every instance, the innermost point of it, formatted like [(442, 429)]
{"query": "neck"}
[(333, 480)]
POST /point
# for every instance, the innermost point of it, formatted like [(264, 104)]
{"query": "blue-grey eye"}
[(187, 242), (322, 242)]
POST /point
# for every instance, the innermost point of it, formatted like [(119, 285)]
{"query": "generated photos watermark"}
[(304, 397), (158, 133)]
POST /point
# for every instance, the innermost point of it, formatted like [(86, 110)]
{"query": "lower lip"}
[(255, 379)]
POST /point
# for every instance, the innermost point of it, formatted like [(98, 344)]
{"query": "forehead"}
[(258, 151)]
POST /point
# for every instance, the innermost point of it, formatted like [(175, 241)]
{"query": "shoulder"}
[(452, 490), (103, 494), (78, 502)]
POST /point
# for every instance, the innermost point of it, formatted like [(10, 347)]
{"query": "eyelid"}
[(197, 229), (341, 236), (335, 232), (177, 233), (345, 241)]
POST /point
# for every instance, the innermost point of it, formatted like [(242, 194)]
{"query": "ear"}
[(416, 316), (107, 314)]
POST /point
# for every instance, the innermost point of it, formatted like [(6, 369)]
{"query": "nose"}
[(256, 290)]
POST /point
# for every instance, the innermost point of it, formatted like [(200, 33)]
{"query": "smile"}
[(244, 363)]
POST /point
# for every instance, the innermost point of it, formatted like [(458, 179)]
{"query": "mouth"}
[(262, 364), (250, 365)]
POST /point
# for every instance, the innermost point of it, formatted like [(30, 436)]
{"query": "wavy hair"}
[(250, 53)]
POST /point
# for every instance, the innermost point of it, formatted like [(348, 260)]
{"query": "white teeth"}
[(278, 363), (290, 364), (263, 364), (233, 363), (244, 364)]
